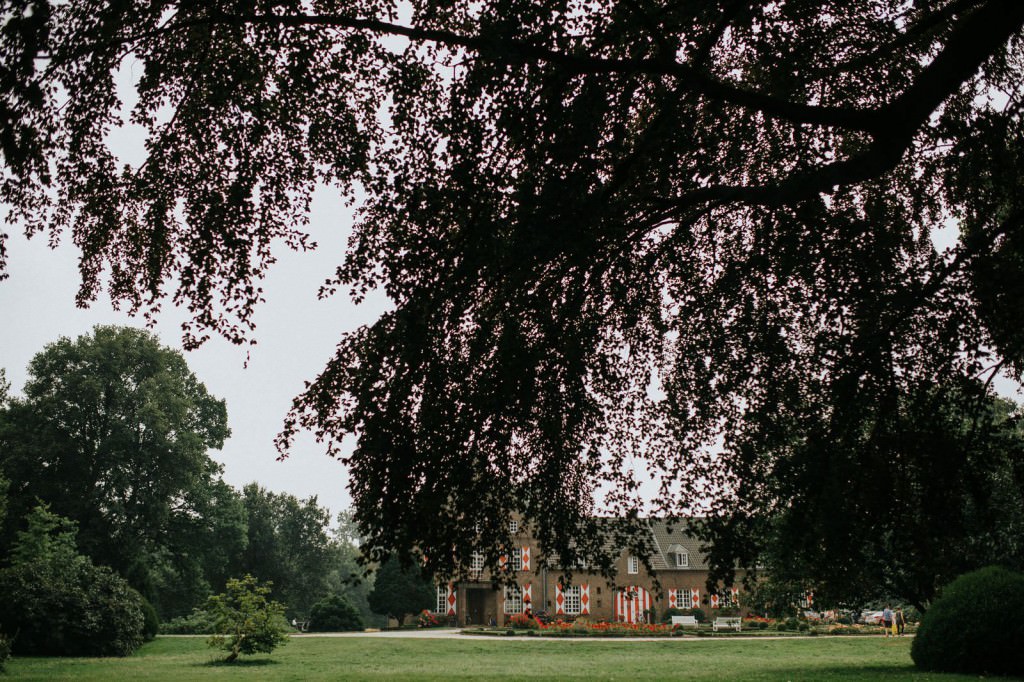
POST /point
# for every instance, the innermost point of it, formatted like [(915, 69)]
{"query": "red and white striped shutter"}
[(672, 599), (451, 599), (503, 562), (810, 599), (736, 596), (585, 599), (646, 597), (559, 600), (526, 558), (695, 598), (714, 601), (527, 597), (620, 598)]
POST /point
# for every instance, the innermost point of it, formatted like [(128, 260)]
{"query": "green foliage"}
[(974, 626), (334, 614), (698, 614), (199, 622), (247, 620), (5, 652), (288, 546), (121, 428), (399, 591), (54, 601), (151, 622), (669, 612)]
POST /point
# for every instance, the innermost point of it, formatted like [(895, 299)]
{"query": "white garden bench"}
[(727, 622), (685, 621)]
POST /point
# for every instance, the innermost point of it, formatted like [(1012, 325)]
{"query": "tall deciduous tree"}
[(288, 545), (399, 591), (113, 432), (614, 233)]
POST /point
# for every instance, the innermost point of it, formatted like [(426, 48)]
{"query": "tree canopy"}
[(113, 432), (697, 240)]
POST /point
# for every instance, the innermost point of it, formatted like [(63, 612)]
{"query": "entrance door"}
[(477, 603)]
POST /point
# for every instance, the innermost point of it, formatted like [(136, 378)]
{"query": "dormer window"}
[(513, 527), (678, 556)]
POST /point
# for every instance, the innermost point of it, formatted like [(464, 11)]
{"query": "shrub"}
[(150, 621), (698, 614), (974, 626), (58, 603), (247, 622), (667, 616), (335, 613), (199, 622)]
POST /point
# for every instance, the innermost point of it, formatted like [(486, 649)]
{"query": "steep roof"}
[(679, 535)]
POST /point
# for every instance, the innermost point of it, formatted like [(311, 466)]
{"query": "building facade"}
[(677, 560)]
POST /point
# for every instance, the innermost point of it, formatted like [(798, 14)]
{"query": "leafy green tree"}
[(633, 232), (247, 620), (288, 545), (334, 614), (121, 428), (54, 601), (399, 591), (348, 576), (945, 491)]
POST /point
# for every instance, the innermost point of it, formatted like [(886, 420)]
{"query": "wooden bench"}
[(727, 622), (685, 621)]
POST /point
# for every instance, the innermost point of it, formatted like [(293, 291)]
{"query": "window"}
[(684, 599), (682, 559), (517, 559), (634, 565), (513, 527), (572, 602), (476, 562), (513, 599), (442, 599)]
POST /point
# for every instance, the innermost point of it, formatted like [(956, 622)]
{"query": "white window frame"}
[(682, 559), (516, 559), (441, 605), (633, 565), (476, 562), (572, 600), (513, 526), (684, 599), (513, 599)]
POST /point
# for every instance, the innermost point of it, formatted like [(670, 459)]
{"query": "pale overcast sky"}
[(296, 335)]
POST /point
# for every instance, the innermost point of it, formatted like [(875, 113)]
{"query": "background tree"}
[(121, 428), (633, 232), (399, 591), (288, 545)]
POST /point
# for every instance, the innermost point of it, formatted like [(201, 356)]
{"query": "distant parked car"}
[(871, 617)]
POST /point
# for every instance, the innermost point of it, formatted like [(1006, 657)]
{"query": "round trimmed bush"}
[(974, 626), (334, 614), (74, 610)]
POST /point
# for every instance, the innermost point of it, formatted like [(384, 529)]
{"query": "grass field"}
[(851, 658)]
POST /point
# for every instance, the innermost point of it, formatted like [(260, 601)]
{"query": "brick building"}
[(676, 558)]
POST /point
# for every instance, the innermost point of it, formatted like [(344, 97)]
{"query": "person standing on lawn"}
[(900, 621), (887, 620)]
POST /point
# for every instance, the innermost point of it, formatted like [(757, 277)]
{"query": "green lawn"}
[(850, 658)]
